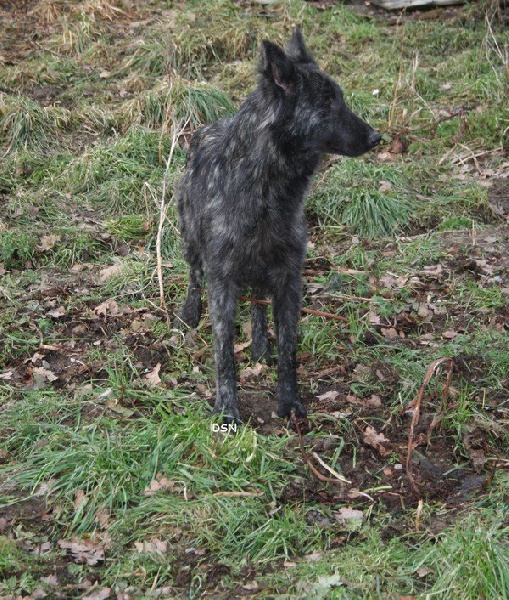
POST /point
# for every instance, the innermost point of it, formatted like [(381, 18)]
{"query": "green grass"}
[(25, 124)]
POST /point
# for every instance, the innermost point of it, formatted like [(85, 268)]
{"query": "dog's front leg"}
[(222, 299), (286, 307)]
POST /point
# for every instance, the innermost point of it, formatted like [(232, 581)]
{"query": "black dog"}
[(241, 208)]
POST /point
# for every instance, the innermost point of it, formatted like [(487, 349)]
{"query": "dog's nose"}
[(374, 139)]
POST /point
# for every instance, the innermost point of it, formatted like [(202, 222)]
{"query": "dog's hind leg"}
[(190, 313), (222, 300), (286, 306), (259, 334)]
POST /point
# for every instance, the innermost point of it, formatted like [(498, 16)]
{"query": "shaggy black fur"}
[(241, 208)]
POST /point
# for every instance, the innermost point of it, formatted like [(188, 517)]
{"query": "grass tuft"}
[(26, 124), (197, 104)]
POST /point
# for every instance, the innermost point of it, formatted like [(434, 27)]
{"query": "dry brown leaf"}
[(102, 594), (375, 440), (390, 333), (251, 586), (108, 272), (154, 546), (239, 347), (34, 359), (80, 499), (108, 307), (56, 313), (449, 334), (48, 241), (84, 551), (43, 373), (374, 401), (251, 373), (384, 187), (330, 395), (158, 484), (346, 514), (313, 557), (152, 378)]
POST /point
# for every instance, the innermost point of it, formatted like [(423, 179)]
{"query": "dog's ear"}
[(276, 67), (296, 48)]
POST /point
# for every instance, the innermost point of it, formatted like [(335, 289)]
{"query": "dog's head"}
[(311, 104)]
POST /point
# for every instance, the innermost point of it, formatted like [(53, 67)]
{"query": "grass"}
[(24, 123), (105, 432)]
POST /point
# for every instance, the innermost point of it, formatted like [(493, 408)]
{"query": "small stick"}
[(307, 460), (309, 311), (416, 405)]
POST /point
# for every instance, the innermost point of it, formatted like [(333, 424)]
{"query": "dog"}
[(241, 209)]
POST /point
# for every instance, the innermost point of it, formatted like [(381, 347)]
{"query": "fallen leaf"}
[(120, 410), (152, 378), (102, 518), (375, 440), (154, 546), (34, 359), (48, 241), (158, 484), (108, 307), (390, 333), (476, 455), (98, 594), (84, 551), (449, 334), (374, 319), (56, 313), (251, 586), (80, 499), (108, 272), (239, 347), (42, 548), (250, 373), (330, 395), (374, 401), (348, 514), (42, 372), (6, 376), (384, 187), (313, 557)]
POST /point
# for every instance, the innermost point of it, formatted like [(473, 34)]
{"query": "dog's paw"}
[(230, 416), (286, 409)]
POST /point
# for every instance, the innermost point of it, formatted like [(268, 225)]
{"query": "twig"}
[(176, 131), (163, 212), (315, 471), (309, 311), (460, 112), (416, 405), (337, 475)]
